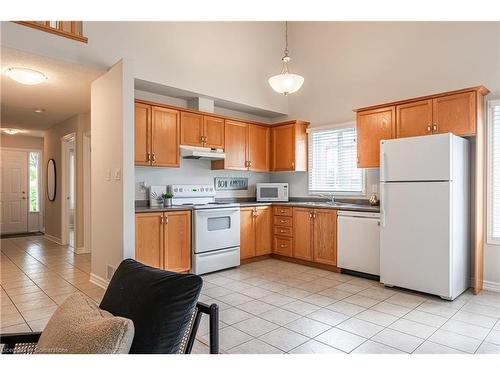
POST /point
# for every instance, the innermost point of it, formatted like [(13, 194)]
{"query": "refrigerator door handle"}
[(382, 204), (382, 163)]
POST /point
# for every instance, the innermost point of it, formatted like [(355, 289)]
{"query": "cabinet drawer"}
[(283, 231), (283, 221), (283, 211), (282, 246)]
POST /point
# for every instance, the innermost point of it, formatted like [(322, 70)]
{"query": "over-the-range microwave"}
[(272, 192)]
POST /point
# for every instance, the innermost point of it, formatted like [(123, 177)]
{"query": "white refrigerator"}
[(424, 214)]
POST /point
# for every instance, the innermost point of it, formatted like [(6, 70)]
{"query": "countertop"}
[(341, 206)]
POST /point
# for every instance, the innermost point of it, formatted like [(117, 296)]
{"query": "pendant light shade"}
[(286, 82)]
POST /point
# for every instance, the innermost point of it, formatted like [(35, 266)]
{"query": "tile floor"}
[(269, 306)]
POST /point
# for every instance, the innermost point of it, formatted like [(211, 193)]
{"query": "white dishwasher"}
[(358, 241)]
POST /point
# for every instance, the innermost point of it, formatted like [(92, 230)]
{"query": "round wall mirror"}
[(51, 180)]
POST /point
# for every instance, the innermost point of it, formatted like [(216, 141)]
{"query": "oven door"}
[(216, 229)]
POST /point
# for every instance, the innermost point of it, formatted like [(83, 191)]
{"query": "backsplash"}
[(194, 172)]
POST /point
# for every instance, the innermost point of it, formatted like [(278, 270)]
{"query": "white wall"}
[(112, 204)]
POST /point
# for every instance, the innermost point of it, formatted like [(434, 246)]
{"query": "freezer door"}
[(426, 158), (415, 236)]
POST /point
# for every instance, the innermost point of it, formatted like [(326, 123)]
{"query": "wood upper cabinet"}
[(372, 127), (213, 132), (263, 230), (149, 239), (289, 146), (142, 134), (191, 129), (163, 240), (413, 119), (258, 148), (455, 113), (247, 233), (303, 233), (202, 131), (165, 137), (177, 238), (235, 146), (325, 236)]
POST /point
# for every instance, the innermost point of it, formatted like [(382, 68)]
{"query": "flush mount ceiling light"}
[(26, 76), (11, 131), (286, 83)]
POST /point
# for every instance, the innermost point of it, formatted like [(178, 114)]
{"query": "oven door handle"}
[(215, 210)]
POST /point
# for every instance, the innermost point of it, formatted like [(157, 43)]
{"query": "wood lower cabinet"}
[(163, 240), (255, 231), (303, 233), (413, 119), (455, 114), (372, 127), (325, 236), (289, 146)]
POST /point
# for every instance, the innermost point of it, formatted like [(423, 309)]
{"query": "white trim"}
[(342, 125), (489, 239), (87, 219), (81, 250), (99, 281), (64, 204), (53, 239), (491, 286)]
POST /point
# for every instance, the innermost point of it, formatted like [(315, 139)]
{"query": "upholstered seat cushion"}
[(160, 303), (78, 326)]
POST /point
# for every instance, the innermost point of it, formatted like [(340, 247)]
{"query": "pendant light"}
[(286, 83)]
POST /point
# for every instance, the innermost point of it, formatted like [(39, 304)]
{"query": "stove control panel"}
[(191, 190)]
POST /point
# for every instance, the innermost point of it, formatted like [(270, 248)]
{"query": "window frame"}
[(338, 127), (39, 184), (489, 173)]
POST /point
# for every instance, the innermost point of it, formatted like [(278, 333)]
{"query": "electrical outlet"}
[(110, 272), (374, 188)]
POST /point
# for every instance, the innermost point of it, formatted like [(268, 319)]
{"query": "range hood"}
[(204, 153)]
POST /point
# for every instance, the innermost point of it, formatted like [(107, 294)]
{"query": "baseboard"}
[(491, 286), (53, 239), (99, 281), (81, 250)]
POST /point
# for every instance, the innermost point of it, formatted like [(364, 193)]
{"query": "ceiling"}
[(65, 93)]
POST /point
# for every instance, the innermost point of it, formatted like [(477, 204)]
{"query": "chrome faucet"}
[(331, 196)]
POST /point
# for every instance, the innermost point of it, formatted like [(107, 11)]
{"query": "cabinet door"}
[(191, 129), (263, 225), (235, 145), (413, 119), (258, 148), (149, 239), (302, 233), (372, 127), (142, 126), (213, 131), (455, 114), (247, 233), (165, 137), (283, 148), (177, 253), (325, 236)]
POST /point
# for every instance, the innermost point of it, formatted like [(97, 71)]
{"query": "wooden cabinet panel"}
[(191, 129), (455, 113), (263, 226), (235, 146), (213, 131), (258, 148), (303, 233), (283, 148), (325, 236), (165, 137), (149, 239), (142, 139), (283, 221), (177, 250), (413, 119), (247, 233), (283, 211), (283, 246), (372, 127), (283, 231)]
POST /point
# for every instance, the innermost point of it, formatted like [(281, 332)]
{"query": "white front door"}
[(14, 194)]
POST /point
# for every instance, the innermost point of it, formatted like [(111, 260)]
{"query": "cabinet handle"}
[(314, 216), (434, 128), (282, 211), (282, 245), (161, 219), (249, 163), (166, 219), (153, 157), (282, 231), (428, 128), (148, 156), (293, 164), (282, 221)]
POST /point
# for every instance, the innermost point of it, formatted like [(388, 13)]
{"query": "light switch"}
[(108, 174), (118, 174)]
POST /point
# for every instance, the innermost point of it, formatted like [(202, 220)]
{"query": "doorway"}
[(68, 178)]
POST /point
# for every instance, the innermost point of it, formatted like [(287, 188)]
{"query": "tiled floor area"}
[(269, 306), (36, 276)]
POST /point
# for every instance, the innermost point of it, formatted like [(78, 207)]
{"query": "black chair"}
[(163, 306)]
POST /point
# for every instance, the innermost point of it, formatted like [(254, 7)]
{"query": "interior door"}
[(14, 197), (165, 137), (413, 119), (415, 236), (258, 148)]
